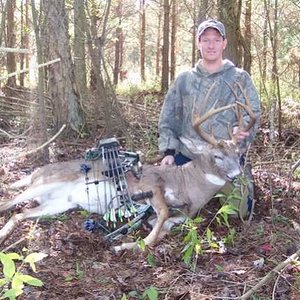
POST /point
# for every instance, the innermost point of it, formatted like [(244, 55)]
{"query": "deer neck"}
[(209, 171)]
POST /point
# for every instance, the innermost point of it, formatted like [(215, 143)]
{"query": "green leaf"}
[(133, 294), (2, 281), (228, 209), (9, 267), (14, 256), (151, 293), (31, 280), (151, 260), (141, 244), (209, 234), (17, 282), (198, 249), (32, 258), (187, 257), (12, 294), (214, 245)]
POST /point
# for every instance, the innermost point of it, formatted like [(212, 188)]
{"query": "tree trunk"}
[(104, 106), (200, 13), (118, 45), (79, 49), (247, 39), (24, 59), (39, 132), (142, 38), (165, 50), (265, 43), (173, 40), (11, 42), (62, 85), (229, 15), (158, 38), (275, 92)]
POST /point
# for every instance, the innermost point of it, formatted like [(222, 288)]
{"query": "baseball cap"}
[(211, 24)]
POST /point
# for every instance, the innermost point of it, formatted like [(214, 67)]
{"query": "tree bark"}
[(118, 45), (61, 78), (173, 39), (39, 135), (158, 41), (142, 39), (248, 39), (11, 42), (165, 50), (229, 15), (79, 49)]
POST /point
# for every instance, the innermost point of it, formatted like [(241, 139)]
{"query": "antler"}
[(197, 120), (246, 106)]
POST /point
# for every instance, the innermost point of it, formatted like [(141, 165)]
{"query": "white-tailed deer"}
[(61, 186)]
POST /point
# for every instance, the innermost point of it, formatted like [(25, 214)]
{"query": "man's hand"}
[(167, 160), (240, 135)]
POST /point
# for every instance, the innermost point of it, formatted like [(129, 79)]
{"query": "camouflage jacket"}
[(188, 93)]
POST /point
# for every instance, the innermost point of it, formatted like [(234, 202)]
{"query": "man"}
[(191, 93)]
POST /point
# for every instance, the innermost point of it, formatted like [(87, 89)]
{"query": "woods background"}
[(73, 72), (80, 63)]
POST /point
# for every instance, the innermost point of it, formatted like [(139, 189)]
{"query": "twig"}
[(293, 169), (15, 50), (27, 70), (6, 133), (14, 244), (270, 275), (44, 145)]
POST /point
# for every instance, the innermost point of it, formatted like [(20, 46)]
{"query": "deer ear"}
[(195, 146)]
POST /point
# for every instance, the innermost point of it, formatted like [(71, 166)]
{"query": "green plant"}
[(13, 282), (79, 273), (61, 217), (150, 293), (193, 242)]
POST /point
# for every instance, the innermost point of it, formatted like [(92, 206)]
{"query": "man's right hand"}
[(167, 160)]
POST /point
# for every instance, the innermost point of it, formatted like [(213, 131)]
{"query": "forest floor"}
[(80, 265)]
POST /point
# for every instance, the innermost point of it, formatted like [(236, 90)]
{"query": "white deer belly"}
[(96, 198)]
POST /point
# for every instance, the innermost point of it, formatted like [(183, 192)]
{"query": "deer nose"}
[(230, 178), (233, 175)]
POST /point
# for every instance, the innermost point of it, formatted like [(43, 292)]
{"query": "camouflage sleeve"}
[(169, 120)]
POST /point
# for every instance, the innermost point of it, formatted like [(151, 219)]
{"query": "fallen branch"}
[(28, 69), (270, 275), (44, 145), (15, 50)]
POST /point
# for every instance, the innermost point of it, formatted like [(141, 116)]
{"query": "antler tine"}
[(197, 121), (246, 106), (248, 109)]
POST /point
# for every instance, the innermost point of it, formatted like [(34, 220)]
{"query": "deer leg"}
[(169, 224), (162, 212), (46, 208), (10, 226), (50, 208)]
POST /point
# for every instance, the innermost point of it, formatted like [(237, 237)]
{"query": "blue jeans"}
[(181, 159)]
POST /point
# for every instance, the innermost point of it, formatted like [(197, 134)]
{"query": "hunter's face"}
[(211, 45)]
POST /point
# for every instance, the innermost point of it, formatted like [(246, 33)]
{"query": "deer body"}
[(61, 186)]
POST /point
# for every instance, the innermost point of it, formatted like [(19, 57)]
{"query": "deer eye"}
[(218, 157)]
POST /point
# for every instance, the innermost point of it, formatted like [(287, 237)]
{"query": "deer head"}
[(224, 154)]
